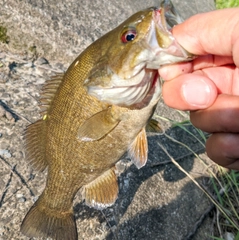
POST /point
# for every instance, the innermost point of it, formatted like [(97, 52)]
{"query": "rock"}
[(229, 236), (9, 116), (5, 153), (41, 61), (155, 202), (2, 111)]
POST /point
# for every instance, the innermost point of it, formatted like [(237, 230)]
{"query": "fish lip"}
[(168, 15), (172, 17), (160, 19), (162, 47), (161, 41)]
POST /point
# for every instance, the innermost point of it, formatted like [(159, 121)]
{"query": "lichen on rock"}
[(4, 38)]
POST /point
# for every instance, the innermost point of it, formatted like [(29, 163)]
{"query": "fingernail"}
[(196, 93)]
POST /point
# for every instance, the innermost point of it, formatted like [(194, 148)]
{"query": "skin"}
[(209, 85)]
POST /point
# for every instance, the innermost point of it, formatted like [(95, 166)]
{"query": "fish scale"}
[(92, 115)]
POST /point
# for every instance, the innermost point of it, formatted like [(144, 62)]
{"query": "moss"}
[(33, 52), (3, 35), (33, 49)]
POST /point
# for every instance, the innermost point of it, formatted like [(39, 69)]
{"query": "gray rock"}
[(41, 61), (59, 30), (5, 153), (155, 202), (2, 111)]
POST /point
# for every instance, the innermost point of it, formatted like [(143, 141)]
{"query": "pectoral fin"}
[(103, 191), (153, 126), (98, 126), (138, 150)]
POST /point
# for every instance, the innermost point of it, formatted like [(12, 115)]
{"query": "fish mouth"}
[(162, 44), (136, 86)]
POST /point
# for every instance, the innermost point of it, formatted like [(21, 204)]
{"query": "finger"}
[(189, 92), (171, 71), (201, 33), (222, 116), (225, 78), (209, 60), (223, 149)]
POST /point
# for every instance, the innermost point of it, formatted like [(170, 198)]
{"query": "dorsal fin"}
[(48, 92), (36, 132)]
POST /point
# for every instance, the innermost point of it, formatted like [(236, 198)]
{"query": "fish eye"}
[(128, 35)]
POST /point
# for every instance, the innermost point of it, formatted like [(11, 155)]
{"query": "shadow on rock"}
[(176, 220), (6, 111), (83, 212)]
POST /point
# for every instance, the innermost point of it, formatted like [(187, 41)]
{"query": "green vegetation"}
[(3, 35), (226, 3), (224, 193), (226, 187)]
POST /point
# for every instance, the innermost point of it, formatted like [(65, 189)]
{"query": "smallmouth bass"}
[(93, 114)]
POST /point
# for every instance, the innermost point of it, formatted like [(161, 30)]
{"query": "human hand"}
[(209, 85)]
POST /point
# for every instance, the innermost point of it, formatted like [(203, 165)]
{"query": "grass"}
[(226, 3), (225, 185)]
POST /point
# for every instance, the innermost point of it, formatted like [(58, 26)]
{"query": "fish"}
[(93, 114)]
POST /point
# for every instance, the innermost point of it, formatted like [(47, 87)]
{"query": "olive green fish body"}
[(92, 115), (77, 161)]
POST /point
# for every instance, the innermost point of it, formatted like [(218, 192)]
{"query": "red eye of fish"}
[(128, 36)]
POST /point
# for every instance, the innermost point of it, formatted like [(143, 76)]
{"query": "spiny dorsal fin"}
[(49, 91), (103, 191), (138, 150), (34, 145)]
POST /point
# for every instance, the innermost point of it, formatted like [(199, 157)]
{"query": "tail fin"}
[(43, 222)]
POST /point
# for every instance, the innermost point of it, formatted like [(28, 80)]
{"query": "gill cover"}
[(126, 73)]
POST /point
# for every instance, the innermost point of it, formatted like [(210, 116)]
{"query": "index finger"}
[(169, 72), (214, 33)]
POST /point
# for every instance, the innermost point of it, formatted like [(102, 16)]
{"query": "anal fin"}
[(35, 145), (138, 150), (103, 191)]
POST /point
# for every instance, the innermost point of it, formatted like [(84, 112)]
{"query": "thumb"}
[(189, 92)]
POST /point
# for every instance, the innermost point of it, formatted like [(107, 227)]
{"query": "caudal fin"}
[(43, 222)]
